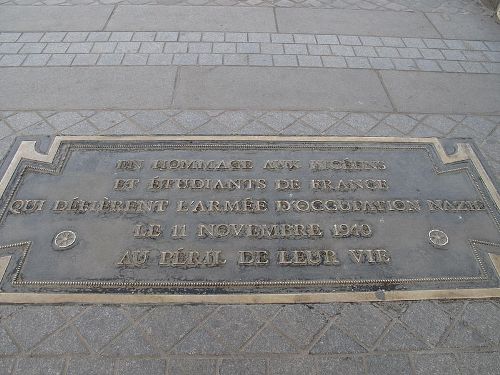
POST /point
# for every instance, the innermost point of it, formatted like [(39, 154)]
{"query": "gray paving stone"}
[(365, 51), (90, 366), (99, 87), (480, 363), (62, 342), (297, 49), (12, 60), (381, 63), (427, 320), (257, 60), (145, 36), (56, 47), (167, 335), (200, 47), (98, 36), (435, 92), (270, 340), (433, 54), (339, 366), (7, 346), (127, 47), (259, 37), (61, 60), (167, 36), (36, 60), (335, 341), (389, 365), (191, 37), (236, 37), (271, 48), (404, 64), (276, 88), (188, 366), (325, 21), (463, 26), (132, 342), (216, 59), (76, 36), (36, 366), (443, 364), (292, 366), (281, 38), (318, 49), (485, 317), (243, 367), (358, 62), (334, 62), (140, 367), (122, 36), (6, 365), (135, 59), (364, 322), (387, 51), (104, 47), (99, 325), (9, 37), (399, 338), (213, 36), (235, 59), (114, 59), (350, 40), (53, 18), (312, 61), (85, 59), (327, 39), (428, 65), (463, 336), (32, 47), (187, 18), (300, 323), (80, 47), (233, 326), (305, 38), (10, 47)]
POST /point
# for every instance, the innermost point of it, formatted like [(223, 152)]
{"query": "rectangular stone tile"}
[(53, 18), (191, 18), (86, 88), (279, 88), (465, 26), (443, 92), (354, 22)]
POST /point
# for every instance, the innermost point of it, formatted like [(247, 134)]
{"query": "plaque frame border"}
[(464, 152)]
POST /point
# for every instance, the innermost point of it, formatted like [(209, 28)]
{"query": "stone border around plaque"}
[(246, 219)]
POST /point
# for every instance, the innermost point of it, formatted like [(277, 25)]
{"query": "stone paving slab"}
[(374, 23), (279, 88), (466, 26), (84, 88), (318, 339), (484, 130), (441, 6), (442, 92), (187, 18), (33, 18)]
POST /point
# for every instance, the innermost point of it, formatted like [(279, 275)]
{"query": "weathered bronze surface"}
[(364, 218)]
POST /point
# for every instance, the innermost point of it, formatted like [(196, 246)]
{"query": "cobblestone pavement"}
[(422, 68), (250, 49)]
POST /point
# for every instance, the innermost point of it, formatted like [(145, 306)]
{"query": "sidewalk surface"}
[(296, 67)]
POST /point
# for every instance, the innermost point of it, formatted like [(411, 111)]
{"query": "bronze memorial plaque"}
[(246, 219)]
